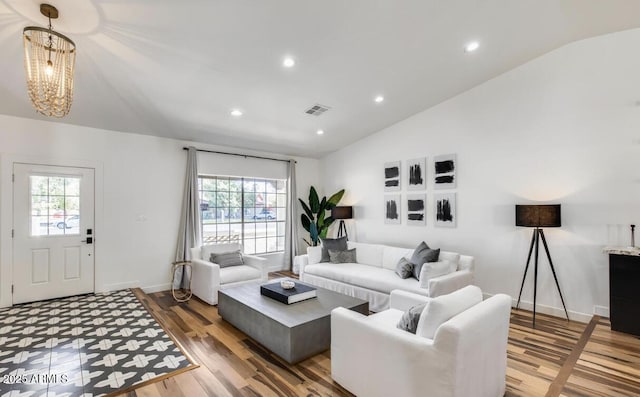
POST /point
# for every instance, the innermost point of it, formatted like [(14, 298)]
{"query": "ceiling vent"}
[(317, 109)]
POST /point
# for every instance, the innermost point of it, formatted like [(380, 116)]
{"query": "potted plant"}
[(314, 220)]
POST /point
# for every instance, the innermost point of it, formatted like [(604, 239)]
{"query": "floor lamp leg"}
[(535, 278), (553, 270), (526, 268)]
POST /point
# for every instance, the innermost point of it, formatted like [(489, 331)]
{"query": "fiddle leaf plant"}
[(314, 219)]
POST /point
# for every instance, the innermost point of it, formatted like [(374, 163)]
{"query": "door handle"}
[(89, 240)]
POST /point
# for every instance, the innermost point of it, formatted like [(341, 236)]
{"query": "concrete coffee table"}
[(293, 332)]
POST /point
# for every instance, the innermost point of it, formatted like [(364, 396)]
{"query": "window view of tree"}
[(250, 211), (55, 205)]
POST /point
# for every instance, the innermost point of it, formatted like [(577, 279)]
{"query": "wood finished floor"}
[(558, 358)]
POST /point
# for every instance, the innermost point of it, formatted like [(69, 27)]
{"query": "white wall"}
[(139, 195), (564, 128)]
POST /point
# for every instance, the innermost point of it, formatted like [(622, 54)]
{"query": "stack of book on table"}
[(298, 293)]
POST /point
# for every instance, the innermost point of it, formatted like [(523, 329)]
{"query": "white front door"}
[(53, 213)]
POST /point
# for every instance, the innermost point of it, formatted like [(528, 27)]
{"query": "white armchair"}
[(208, 278), (467, 356)]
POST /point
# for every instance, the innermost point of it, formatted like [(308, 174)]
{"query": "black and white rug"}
[(88, 345)]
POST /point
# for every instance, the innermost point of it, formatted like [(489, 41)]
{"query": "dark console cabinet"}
[(624, 293)]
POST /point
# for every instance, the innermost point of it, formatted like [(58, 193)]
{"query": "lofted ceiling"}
[(177, 68)]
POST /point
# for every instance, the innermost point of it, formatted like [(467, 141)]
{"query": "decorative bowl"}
[(287, 284)]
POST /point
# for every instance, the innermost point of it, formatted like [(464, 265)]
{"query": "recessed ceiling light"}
[(236, 113), (471, 47), (289, 62), (379, 99), (320, 132)]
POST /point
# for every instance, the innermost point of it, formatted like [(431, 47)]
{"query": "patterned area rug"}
[(89, 345)]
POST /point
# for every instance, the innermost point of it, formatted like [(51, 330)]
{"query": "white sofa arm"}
[(417, 365), (404, 300), (303, 260), (449, 282), (205, 280), (259, 263)]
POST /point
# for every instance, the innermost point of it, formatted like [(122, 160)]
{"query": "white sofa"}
[(373, 277), (208, 278), (371, 357)]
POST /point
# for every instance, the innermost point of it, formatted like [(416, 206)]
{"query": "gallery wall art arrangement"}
[(444, 178)]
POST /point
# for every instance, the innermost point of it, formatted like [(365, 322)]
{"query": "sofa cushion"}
[(365, 276), (441, 309), (421, 255), (388, 318), (409, 320), (404, 268), (391, 256), (236, 274), (368, 254), (227, 259), (336, 244), (346, 256)]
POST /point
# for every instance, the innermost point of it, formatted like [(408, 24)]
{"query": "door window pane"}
[(55, 205)]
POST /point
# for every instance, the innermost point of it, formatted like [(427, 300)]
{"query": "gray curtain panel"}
[(189, 234), (291, 235)]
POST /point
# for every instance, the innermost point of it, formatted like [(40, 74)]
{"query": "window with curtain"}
[(246, 210)]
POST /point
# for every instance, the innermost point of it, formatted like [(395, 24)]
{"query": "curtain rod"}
[(240, 155)]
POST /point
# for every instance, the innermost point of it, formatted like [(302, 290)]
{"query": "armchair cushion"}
[(234, 274), (441, 309), (336, 244), (227, 259)]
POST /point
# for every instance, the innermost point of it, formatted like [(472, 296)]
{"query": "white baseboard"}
[(156, 288), (550, 310), (602, 311), (118, 286)]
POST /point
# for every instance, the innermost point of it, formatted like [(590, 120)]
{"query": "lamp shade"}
[(345, 212), (538, 215)]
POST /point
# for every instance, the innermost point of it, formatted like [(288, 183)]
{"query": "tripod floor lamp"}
[(538, 216), (342, 213)]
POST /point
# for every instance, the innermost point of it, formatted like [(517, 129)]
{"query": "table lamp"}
[(342, 213)]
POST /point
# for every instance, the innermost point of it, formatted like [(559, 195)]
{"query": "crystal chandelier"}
[(49, 60)]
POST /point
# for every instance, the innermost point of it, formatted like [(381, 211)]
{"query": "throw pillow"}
[(336, 244), (227, 259), (346, 256), (432, 270), (421, 255), (404, 268), (409, 320)]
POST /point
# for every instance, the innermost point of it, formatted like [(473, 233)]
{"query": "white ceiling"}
[(177, 68)]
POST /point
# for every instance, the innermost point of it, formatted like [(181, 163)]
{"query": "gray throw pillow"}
[(421, 255), (409, 320), (346, 256), (227, 259), (336, 244), (404, 268)]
